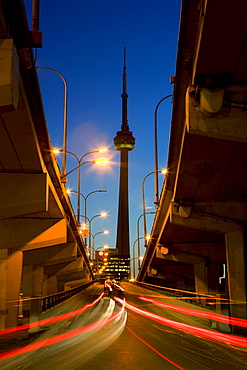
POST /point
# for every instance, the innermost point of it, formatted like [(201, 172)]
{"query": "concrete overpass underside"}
[(200, 224), (41, 251)]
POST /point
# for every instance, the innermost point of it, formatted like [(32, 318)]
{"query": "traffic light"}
[(100, 255)]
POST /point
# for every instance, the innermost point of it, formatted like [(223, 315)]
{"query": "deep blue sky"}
[(84, 40)]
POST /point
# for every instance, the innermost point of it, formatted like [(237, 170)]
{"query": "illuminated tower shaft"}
[(124, 142)]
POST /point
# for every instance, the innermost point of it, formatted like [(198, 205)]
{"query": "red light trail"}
[(189, 311), (51, 320), (153, 349), (62, 337), (203, 333)]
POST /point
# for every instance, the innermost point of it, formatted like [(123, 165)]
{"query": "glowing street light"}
[(103, 214), (100, 161), (97, 161), (68, 191), (139, 258), (138, 232), (93, 236), (84, 225)]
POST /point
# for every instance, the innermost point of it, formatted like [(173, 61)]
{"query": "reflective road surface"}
[(147, 330)]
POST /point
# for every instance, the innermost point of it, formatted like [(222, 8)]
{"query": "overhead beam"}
[(202, 221), (51, 255), (183, 257), (23, 194), (231, 210), (30, 233), (65, 268)]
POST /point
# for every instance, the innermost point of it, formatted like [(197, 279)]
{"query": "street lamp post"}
[(100, 161), (138, 233), (96, 257), (79, 173), (65, 109), (134, 255), (133, 259), (103, 214), (99, 232), (144, 202), (85, 208), (85, 202), (156, 181)]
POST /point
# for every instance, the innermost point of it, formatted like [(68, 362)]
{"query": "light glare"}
[(102, 161)]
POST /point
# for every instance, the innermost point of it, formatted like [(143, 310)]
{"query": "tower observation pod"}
[(124, 142)]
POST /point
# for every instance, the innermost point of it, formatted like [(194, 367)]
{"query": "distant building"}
[(110, 263)]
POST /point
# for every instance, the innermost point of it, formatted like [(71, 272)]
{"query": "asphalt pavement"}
[(138, 335)]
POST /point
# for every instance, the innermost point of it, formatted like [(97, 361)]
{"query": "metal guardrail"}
[(203, 300), (53, 300)]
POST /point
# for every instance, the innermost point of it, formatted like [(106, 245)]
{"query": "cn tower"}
[(124, 142)]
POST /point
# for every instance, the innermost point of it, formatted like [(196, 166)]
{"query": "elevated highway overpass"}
[(200, 223), (41, 251)]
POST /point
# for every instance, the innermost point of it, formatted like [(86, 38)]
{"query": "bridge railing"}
[(203, 300), (53, 300)]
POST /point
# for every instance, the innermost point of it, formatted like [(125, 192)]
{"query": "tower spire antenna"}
[(124, 142), (124, 96)]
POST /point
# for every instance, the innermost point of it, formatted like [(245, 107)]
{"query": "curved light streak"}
[(209, 315), (51, 320), (68, 335), (153, 349), (203, 333)]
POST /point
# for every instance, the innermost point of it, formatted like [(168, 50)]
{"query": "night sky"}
[(84, 41)]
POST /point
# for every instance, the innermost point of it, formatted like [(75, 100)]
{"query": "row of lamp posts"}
[(105, 161), (64, 174), (156, 173), (88, 233)]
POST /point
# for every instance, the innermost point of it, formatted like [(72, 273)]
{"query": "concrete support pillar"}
[(214, 271), (32, 289), (236, 270), (201, 286), (222, 307), (10, 283), (49, 285), (60, 285), (3, 284)]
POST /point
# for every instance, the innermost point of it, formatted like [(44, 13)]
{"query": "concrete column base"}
[(10, 282), (236, 269)]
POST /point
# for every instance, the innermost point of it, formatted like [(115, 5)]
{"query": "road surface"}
[(110, 335)]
